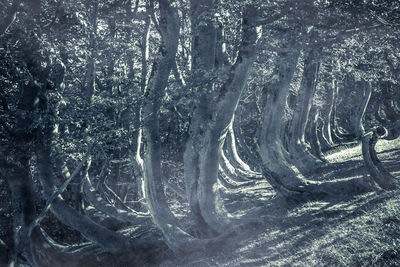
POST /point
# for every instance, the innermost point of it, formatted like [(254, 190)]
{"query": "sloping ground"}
[(359, 231)]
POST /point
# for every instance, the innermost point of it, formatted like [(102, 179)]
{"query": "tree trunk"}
[(250, 156), (121, 214), (107, 239), (337, 136), (375, 168), (326, 133), (312, 134), (357, 119), (299, 152), (240, 168), (210, 123), (87, 93), (162, 216)]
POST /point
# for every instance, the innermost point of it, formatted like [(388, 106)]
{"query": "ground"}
[(363, 230)]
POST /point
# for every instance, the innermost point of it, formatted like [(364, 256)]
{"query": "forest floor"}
[(363, 230)]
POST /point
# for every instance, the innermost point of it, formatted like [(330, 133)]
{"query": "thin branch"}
[(11, 14)]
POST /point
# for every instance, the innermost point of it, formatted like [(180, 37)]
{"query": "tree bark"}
[(298, 150), (337, 135), (326, 132), (154, 190), (312, 134), (240, 168), (251, 157), (357, 119), (123, 215), (375, 168)]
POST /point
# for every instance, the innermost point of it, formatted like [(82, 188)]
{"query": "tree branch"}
[(11, 14)]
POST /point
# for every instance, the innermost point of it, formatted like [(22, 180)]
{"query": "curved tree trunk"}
[(357, 119), (122, 214), (326, 132), (162, 216), (375, 168), (226, 166), (312, 134), (107, 239), (233, 157), (226, 181), (250, 156), (209, 127), (337, 135)]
